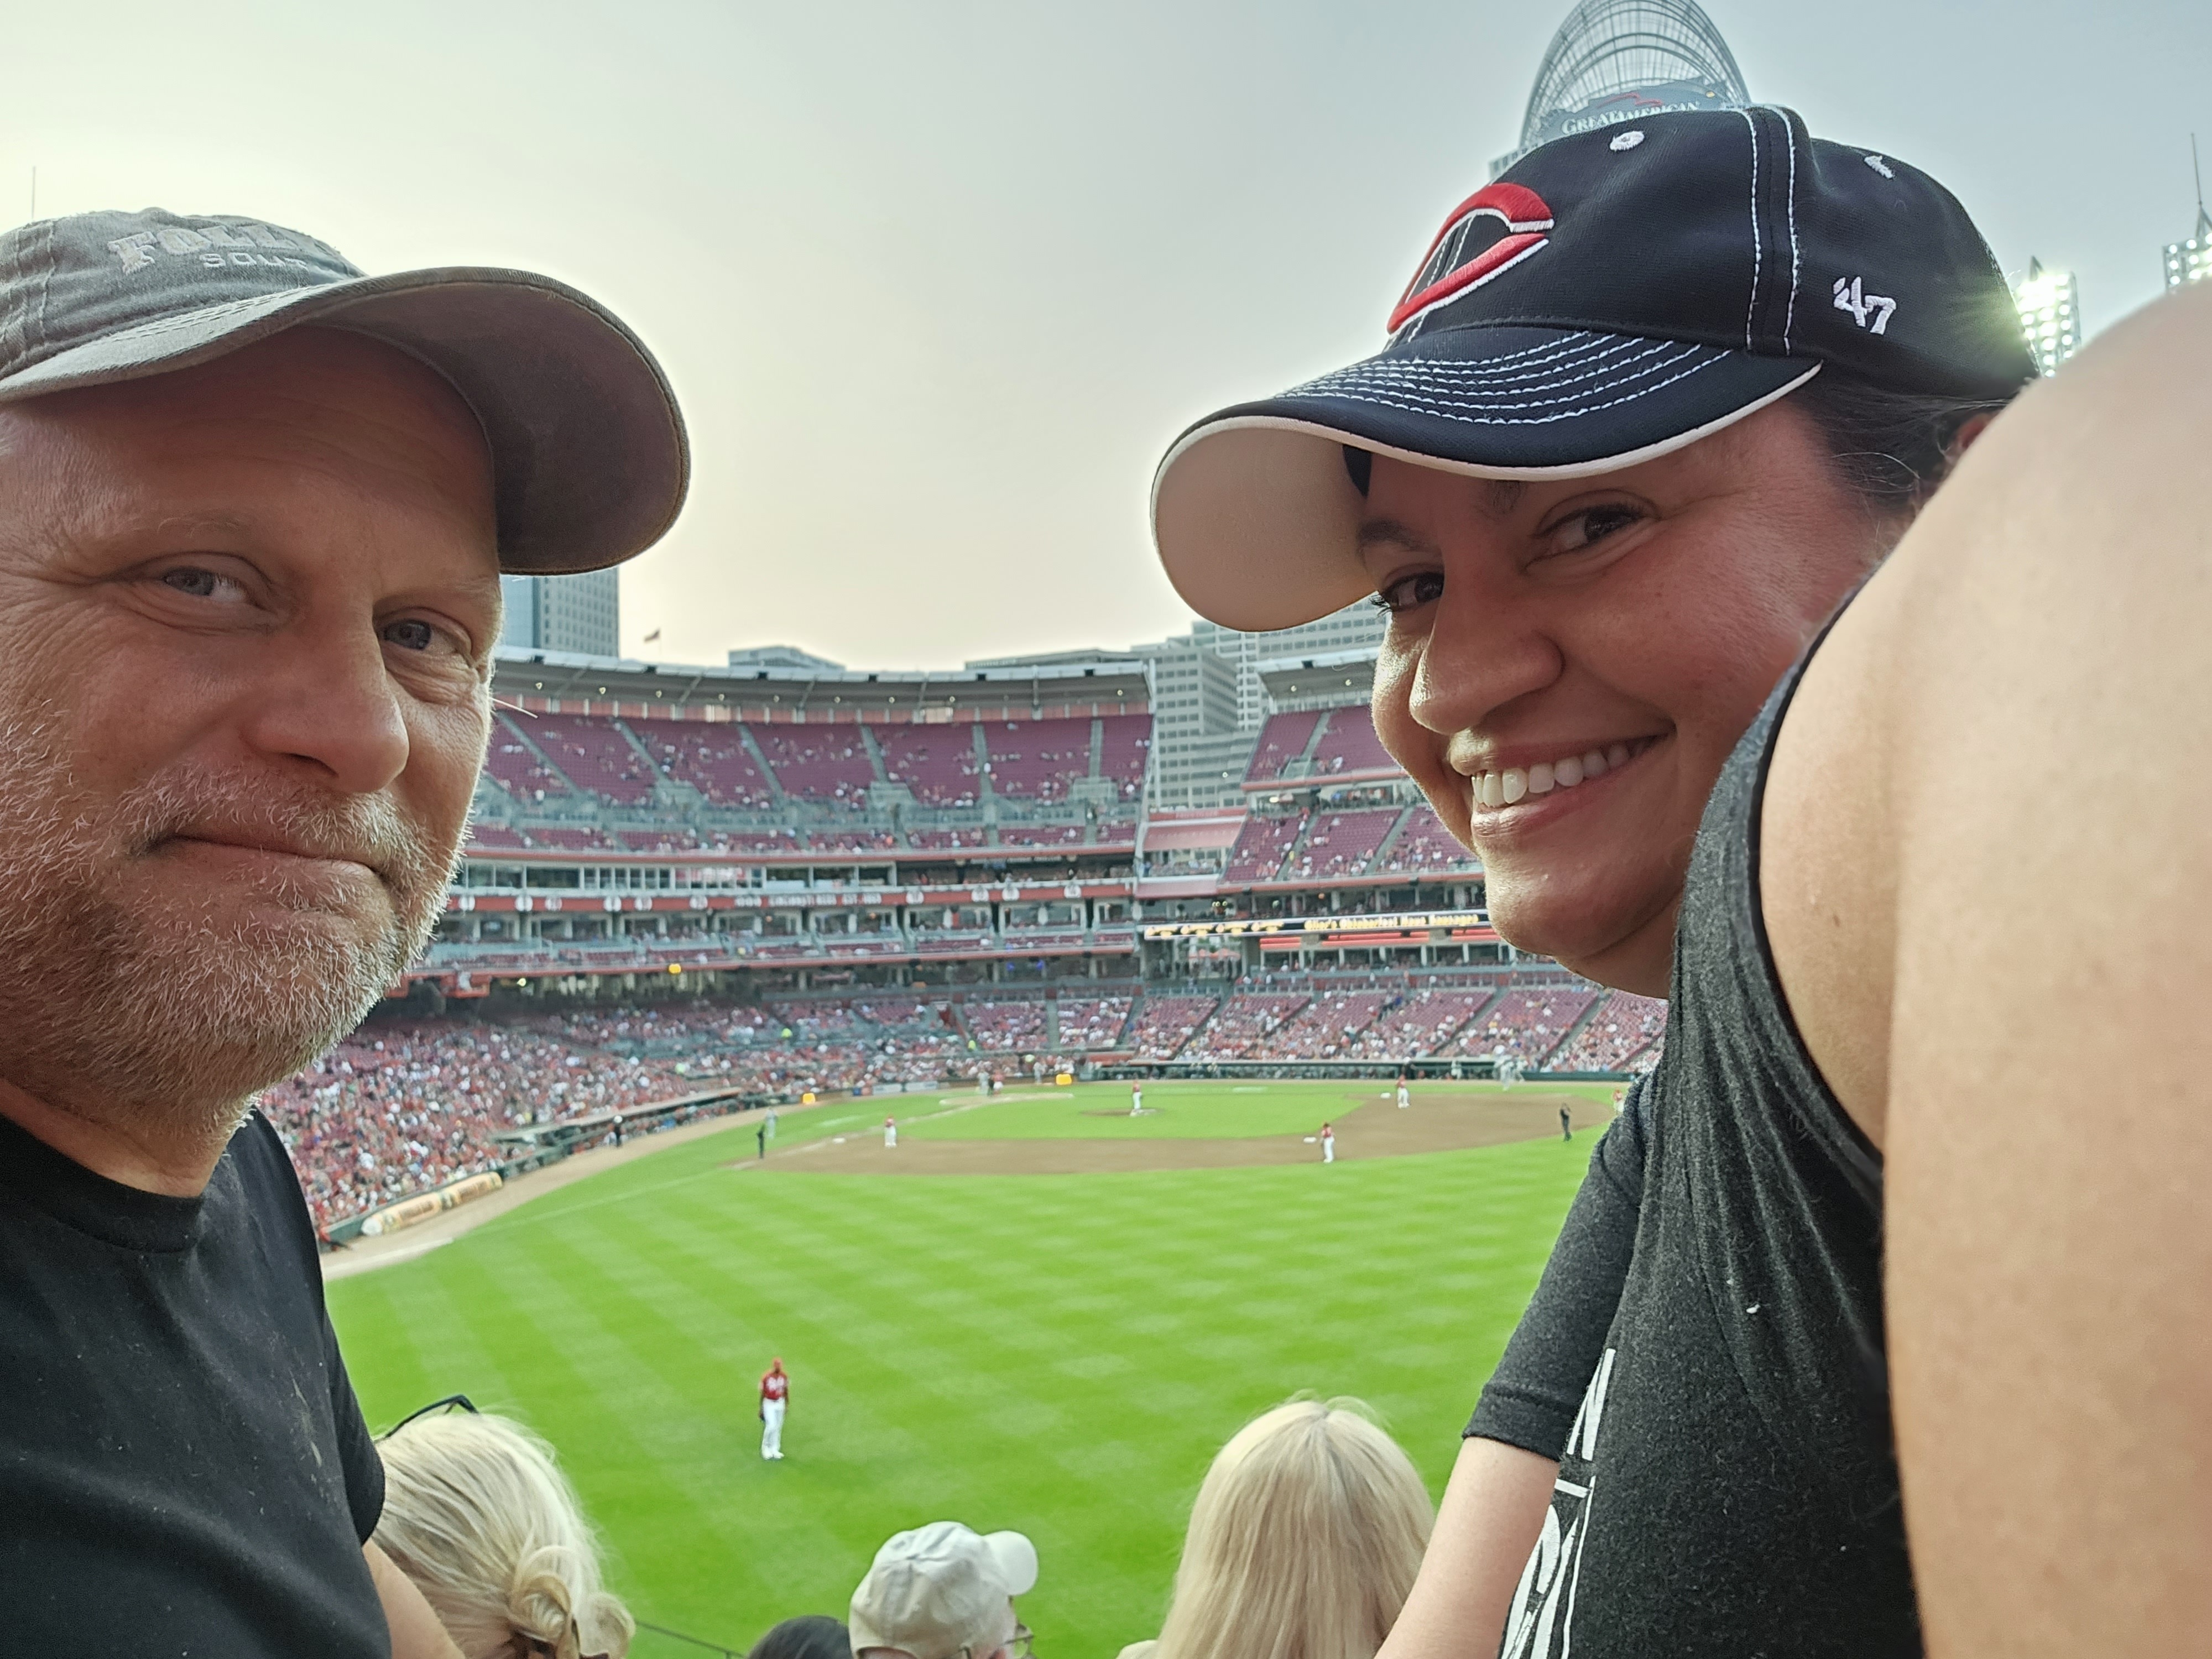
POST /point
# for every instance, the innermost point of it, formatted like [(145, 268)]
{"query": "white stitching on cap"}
[(1471, 415), (1758, 255), (1392, 376), (1537, 420), (1789, 315), (1430, 368)]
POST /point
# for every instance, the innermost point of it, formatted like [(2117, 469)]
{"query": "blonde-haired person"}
[(478, 1514), (1305, 1537)]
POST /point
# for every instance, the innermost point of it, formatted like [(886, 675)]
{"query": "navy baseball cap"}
[(590, 462), (1612, 296)]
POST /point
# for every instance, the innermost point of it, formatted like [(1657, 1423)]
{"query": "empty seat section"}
[(515, 769), (574, 837), (595, 753), (938, 763), (1040, 835), (823, 763), (1037, 760), (1260, 844), (1282, 740), (1350, 745), (1125, 743), (712, 759), (1340, 843), (1425, 845)]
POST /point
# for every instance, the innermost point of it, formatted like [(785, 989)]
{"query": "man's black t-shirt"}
[(184, 1470), (1727, 1485)]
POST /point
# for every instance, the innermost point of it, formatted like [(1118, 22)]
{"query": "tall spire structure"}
[(2191, 260), (1620, 60)]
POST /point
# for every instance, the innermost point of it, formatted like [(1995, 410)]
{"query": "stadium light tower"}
[(2050, 312), (1619, 60), (2191, 261)]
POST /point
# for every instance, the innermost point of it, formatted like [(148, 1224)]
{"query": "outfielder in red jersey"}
[(776, 1390)]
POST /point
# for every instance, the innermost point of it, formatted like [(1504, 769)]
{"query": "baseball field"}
[(1036, 1312)]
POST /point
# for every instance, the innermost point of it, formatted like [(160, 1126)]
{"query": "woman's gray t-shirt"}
[(1728, 1484)]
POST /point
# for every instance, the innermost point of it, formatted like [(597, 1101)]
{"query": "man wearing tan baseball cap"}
[(944, 1591), (254, 507)]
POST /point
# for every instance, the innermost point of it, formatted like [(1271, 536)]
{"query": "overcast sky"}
[(937, 283)]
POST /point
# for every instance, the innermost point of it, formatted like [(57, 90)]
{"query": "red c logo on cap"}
[(1518, 208)]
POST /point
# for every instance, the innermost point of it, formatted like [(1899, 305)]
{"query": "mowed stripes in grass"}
[(1058, 1354)]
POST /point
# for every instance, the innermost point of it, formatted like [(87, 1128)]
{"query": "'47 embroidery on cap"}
[(1851, 296)]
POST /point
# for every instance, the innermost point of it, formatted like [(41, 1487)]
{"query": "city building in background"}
[(581, 614), (1621, 60), (783, 656), (2050, 313)]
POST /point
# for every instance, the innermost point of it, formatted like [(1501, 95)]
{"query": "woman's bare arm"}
[(1492, 1511), (2023, 978)]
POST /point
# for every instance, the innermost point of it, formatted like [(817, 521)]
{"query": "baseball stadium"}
[(690, 900), (1048, 1065)]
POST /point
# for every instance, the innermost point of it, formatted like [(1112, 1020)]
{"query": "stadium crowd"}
[(407, 1105)]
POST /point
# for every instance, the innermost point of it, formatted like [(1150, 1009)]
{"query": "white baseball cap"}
[(942, 1591)]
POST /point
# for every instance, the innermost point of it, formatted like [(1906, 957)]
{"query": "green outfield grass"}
[(1174, 1110), (1058, 1354)]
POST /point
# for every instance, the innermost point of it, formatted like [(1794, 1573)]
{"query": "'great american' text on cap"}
[(589, 459), (1614, 296)]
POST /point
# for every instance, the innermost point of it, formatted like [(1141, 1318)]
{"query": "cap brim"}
[(589, 457), (1254, 514)]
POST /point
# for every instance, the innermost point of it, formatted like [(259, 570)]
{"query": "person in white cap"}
[(944, 1591)]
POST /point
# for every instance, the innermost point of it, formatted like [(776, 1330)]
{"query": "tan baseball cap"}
[(943, 1591), (589, 458)]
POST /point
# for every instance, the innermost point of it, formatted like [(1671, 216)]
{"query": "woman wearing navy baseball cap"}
[(1653, 406)]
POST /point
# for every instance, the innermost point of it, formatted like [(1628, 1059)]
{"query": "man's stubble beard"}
[(163, 1024)]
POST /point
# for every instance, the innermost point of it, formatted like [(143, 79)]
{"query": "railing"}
[(696, 1641)]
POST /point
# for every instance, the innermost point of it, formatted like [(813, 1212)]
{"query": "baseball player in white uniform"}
[(774, 1394), (1405, 1095), (1327, 1145), (891, 1132), (1136, 1098)]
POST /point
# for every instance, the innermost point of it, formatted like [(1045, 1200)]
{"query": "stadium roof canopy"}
[(1620, 60), (582, 685)]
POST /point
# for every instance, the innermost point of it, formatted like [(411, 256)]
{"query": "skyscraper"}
[(2050, 312), (581, 614)]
